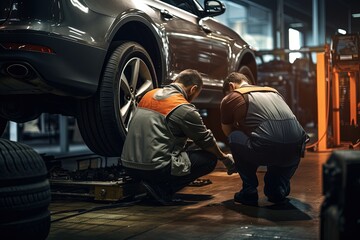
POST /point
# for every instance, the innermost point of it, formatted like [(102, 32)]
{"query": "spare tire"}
[(20, 164), (24, 193)]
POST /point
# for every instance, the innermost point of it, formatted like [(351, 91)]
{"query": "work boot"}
[(158, 193), (278, 201), (278, 197), (248, 198)]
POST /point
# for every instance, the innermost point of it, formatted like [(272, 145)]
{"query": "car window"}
[(187, 5)]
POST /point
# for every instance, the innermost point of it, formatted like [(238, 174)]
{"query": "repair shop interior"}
[(179, 119)]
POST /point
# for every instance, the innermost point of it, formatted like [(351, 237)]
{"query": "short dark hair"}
[(234, 77), (189, 77)]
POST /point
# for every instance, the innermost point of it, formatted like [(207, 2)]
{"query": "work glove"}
[(229, 164)]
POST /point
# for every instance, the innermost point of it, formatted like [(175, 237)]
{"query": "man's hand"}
[(229, 163)]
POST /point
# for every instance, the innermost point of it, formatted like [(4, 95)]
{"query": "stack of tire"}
[(340, 210), (24, 193)]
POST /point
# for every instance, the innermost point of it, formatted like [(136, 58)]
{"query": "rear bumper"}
[(73, 69)]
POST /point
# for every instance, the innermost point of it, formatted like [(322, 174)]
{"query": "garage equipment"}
[(345, 50), (96, 190), (90, 176), (338, 92)]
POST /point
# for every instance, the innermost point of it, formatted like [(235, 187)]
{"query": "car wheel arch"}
[(153, 43), (248, 59)]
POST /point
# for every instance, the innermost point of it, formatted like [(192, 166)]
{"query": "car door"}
[(187, 42), (223, 48)]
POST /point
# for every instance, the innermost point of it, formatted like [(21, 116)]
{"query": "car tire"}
[(24, 192), (20, 164), (103, 119), (30, 227), (247, 72)]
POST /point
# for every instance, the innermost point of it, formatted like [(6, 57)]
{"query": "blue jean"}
[(281, 162)]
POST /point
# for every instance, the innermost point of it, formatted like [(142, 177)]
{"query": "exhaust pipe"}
[(18, 70)]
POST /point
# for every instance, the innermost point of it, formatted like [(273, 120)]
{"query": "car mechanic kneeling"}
[(154, 149), (262, 131)]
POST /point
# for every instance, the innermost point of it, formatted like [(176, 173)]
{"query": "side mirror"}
[(213, 8)]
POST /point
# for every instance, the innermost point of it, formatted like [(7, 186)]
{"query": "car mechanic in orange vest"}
[(155, 150)]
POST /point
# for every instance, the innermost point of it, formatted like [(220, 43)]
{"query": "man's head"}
[(233, 81), (191, 81)]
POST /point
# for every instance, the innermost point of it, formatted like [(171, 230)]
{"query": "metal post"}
[(353, 99), (318, 22), (322, 22), (13, 130), (64, 134), (336, 108), (321, 101), (42, 123), (280, 24), (315, 22)]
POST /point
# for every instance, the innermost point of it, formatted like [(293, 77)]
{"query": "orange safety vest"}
[(163, 106), (165, 148)]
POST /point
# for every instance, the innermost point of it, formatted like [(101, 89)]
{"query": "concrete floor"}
[(210, 212)]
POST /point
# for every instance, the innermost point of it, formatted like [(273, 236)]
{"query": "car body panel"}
[(81, 34), (183, 36)]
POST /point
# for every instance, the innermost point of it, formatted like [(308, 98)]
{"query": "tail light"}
[(27, 47)]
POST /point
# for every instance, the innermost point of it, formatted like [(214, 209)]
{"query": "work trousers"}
[(202, 163), (281, 163)]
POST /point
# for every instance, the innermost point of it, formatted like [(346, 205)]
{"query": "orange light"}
[(27, 47)]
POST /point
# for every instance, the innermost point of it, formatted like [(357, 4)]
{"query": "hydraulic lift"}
[(90, 176)]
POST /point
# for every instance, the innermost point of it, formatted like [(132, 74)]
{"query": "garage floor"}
[(209, 213)]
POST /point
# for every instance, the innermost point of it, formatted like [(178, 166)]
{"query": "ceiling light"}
[(341, 31)]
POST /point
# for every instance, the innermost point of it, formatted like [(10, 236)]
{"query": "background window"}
[(252, 22)]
